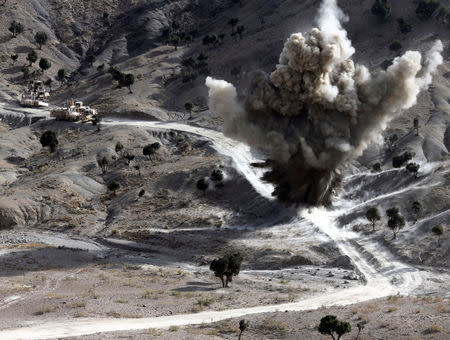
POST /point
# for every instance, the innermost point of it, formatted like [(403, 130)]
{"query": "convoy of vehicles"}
[(35, 95), (74, 111)]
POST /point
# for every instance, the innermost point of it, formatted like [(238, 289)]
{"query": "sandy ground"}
[(395, 317)]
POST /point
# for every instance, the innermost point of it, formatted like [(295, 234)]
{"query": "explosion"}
[(318, 110)]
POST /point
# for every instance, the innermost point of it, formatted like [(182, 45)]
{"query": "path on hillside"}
[(385, 275)]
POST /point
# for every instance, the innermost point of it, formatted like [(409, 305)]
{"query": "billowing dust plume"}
[(318, 110)]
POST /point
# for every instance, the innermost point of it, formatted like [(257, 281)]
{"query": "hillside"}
[(97, 238)]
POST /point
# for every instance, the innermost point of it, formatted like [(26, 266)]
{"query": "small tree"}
[(382, 9), (403, 26), (150, 149), (119, 148), (126, 80), (138, 169), (202, 184), (61, 76), (129, 157), (438, 230), (396, 223), (391, 212), (390, 141), (226, 267), (175, 41), (395, 45), (416, 209), (26, 71), (16, 28), (413, 168), (41, 38), (376, 167), (50, 139), (90, 59), (233, 22), (240, 31), (360, 328), (330, 324), (188, 107), (373, 215), (96, 121), (141, 193), (32, 57), (14, 58), (114, 186), (44, 64), (243, 325), (217, 176), (426, 8), (399, 161), (103, 164), (416, 125)]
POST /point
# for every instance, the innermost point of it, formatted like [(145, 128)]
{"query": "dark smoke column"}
[(318, 110)]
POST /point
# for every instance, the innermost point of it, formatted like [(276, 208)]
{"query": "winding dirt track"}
[(385, 275)]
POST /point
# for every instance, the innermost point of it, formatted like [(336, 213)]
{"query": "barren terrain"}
[(80, 261)]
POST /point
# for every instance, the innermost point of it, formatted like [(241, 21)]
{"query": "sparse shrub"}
[(426, 8), (413, 168), (373, 215), (119, 147), (389, 141), (226, 267), (233, 22), (217, 175), (438, 230), (90, 59), (141, 193), (395, 45), (376, 167), (240, 30), (330, 324), (403, 26), (202, 184), (114, 186), (360, 329), (25, 71), (16, 28), (129, 157), (96, 121), (243, 325), (236, 71), (433, 329), (188, 107), (14, 58), (50, 139), (41, 38), (103, 164), (61, 76), (32, 57), (416, 125), (399, 161), (416, 209), (382, 9), (44, 64)]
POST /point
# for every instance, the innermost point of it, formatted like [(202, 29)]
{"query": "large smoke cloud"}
[(318, 110)]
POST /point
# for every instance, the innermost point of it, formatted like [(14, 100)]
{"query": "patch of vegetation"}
[(382, 9), (226, 267), (330, 325), (426, 8)]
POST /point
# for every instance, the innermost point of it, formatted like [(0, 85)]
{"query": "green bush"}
[(426, 8), (395, 45)]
